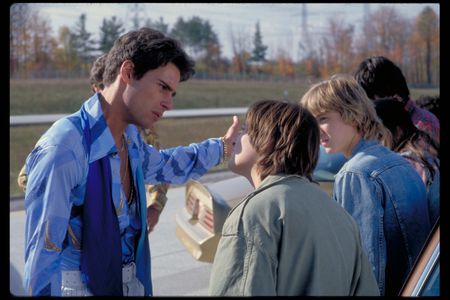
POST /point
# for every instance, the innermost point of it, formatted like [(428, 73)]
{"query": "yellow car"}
[(199, 223)]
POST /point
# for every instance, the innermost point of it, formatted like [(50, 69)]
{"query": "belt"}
[(74, 278), (128, 272)]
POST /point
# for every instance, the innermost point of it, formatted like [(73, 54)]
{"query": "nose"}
[(167, 103), (322, 132)]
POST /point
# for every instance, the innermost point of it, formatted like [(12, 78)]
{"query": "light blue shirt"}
[(388, 201), (57, 171)]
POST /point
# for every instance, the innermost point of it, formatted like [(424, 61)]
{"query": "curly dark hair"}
[(285, 135), (96, 74), (148, 49)]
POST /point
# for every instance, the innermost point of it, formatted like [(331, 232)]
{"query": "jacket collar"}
[(275, 179), (270, 181), (363, 144), (102, 140)]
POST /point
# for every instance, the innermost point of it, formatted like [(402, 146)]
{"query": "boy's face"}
[(147, 99), (336, 135), (243, 156)]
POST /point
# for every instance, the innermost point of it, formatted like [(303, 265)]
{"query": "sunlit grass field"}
[(66, 96)]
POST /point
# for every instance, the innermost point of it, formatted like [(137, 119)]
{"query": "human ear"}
[(126, 71)]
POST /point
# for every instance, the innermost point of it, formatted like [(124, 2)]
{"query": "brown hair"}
[(96, 74), (345, 96), (285, 136), (148, 49)]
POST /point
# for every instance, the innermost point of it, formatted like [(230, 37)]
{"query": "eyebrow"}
[(167, 87)]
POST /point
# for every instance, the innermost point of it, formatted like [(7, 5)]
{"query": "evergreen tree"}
[(158, 25), (109, 32), (259, 49), (196, 34), (82, 42)]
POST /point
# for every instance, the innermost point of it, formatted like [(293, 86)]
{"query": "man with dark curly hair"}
[(86, 216)]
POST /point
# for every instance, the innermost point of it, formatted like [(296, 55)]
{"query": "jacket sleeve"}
[(52, 173), (366, 284), (245, 263), (240, 268), (179, 164)]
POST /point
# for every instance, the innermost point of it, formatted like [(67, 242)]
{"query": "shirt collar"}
[(101, 136), (410, 105)]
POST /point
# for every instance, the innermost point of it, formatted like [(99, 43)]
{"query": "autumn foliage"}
[(412, 43)]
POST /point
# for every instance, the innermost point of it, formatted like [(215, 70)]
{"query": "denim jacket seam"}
[(381, 261), (401, 223)]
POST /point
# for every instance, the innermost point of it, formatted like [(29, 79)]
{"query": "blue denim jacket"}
[(387, 198)]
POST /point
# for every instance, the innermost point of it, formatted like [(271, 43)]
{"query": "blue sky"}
[(280, 23)]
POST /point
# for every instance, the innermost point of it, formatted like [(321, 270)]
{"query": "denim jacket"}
[(387, 198)]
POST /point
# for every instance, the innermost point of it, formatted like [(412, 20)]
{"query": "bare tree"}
[(65, 54), (19, 37), (337, 45), (427, 29), (240, 43), (391, 32), (31, 42)]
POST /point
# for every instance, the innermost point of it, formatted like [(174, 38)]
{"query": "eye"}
[(322, 119), (166, 89)]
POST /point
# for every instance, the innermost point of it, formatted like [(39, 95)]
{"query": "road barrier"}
[(177, 113)]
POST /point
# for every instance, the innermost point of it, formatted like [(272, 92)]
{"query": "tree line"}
[(413, 44)]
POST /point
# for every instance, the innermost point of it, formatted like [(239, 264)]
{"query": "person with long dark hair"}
[(416, 146), (380, 77)]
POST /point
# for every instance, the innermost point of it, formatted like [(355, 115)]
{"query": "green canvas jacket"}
[(288, 237)]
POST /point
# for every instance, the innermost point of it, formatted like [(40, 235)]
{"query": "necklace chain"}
[(122, 178), (123, 144)]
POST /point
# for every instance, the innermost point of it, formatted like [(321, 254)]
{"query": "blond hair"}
[(345, 96)]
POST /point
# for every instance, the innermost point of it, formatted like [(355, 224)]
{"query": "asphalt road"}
[(174, 271)]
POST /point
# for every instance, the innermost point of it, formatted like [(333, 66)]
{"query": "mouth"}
[(157, 115)]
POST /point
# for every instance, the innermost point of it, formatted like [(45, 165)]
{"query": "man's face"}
[(147, 99)]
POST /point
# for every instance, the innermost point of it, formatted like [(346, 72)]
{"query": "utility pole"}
[(367, 25), (136, 14), (305, 44)]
